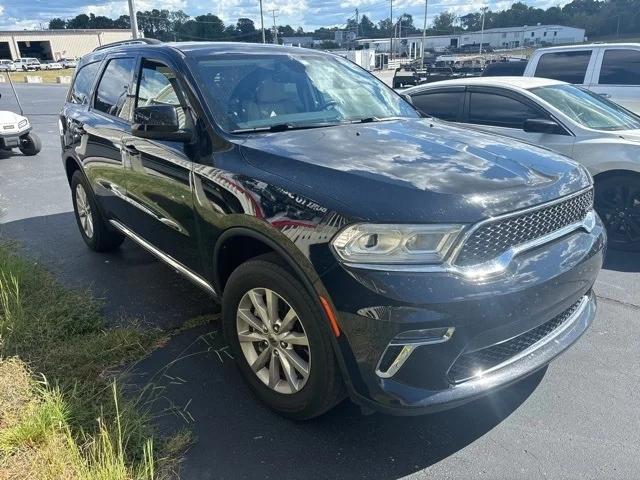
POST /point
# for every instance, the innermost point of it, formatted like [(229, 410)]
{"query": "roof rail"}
[(133, 41)]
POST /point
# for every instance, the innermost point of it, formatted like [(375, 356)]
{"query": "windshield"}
[(587, 108), (263, 91)]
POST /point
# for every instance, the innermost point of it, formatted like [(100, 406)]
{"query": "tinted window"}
[(112, 94), (493, 109), (569, 67), (159, 86), (620, 67), (442, 105), (83, 82), (305, 89)]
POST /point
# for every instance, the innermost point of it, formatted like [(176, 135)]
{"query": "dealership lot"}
[(578, 421)]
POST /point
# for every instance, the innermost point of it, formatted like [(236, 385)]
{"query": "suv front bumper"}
[(378, 308)]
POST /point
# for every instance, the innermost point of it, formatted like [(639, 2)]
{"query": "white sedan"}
[(51, 65), (596, 132)]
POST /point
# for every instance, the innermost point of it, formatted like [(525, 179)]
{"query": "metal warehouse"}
[(511, 37), (55, 44)]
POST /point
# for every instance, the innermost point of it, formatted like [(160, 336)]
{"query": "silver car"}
[(7, 66), (583, 125)]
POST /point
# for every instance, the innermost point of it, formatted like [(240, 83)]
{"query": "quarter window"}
[(443, 105), (569, 67), (112, 96), (499, 111), (620, 67), (82, 84), (159, 86)]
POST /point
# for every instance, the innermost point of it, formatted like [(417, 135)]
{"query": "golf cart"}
[(15, 132)]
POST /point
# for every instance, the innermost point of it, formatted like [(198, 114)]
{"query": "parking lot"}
[(578, 419)]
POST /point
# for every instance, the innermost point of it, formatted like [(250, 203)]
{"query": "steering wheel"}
[(328, 105)]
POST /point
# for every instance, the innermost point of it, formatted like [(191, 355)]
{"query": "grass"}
[(48, 76), (62, 413)]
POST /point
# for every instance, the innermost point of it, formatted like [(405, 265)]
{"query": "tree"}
[(79, 22), (443, 23), (57, 24), (367, 27)]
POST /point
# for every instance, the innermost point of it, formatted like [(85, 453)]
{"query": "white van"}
[(27, 63), (612, 70)]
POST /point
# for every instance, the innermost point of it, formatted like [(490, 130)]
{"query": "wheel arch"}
[(612, 173)]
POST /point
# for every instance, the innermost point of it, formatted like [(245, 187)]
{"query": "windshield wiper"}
[(281, 127)]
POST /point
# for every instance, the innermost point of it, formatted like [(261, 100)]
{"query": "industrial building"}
[(56, 44), (496, 38)]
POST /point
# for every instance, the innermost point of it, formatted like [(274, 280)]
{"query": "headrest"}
[(271, 92)]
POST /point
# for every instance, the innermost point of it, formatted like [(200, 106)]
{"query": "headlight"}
[(23, 123), (393, 244)]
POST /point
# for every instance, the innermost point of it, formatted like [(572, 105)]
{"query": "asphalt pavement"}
[(578, 419)]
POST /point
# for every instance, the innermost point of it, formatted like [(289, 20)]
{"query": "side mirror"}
[(408, 98), (540, 125), (158, 122)]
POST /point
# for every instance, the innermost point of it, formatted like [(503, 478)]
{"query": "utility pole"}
[(264, 40), (391, 30), (275, 29), (424, 34), (357, 23), (133, 19), (484, 10)]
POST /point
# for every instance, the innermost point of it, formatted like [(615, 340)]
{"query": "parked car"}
[(51, 65), (504, 69), (27, 64), (68, 62), (405, 76), (7, 66), (592, 130), (609, 69), (355, 247)]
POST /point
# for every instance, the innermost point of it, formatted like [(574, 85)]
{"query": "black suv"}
[(356, 248)]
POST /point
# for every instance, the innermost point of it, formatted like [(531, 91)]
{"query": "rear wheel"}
[(275, 332), (617, 201), (93, 227), (30, 144)]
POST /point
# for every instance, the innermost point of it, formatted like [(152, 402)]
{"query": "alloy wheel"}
[(273, 340), (619, 207), (84, 211)]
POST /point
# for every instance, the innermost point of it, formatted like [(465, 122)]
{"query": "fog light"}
[(402, 346)]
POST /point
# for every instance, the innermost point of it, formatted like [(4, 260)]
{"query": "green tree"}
[(57, 24), (443, 23)]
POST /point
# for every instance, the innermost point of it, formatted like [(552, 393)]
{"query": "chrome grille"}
[(496, 237), (470, 364)]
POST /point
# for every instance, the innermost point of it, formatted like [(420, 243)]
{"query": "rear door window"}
[(500, 111), (112, 95), (620, 67), (570, 67), (443, 105), (81, 89)]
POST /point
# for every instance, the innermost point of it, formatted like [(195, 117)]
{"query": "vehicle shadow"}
[(132, 284), (620, 261), (195, 380), (236, 437)]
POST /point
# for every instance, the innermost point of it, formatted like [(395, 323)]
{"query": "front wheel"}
[(275, 332), (93, 227), (617, 201), (30, 144)]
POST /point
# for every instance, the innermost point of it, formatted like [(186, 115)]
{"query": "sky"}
[(310, 14)]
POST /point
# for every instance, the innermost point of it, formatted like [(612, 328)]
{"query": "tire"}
[(300, 399), (94, 229), (30, 144), (617, 201)]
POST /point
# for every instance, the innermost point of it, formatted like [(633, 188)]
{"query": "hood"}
[(414, 170), (11, 118)]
